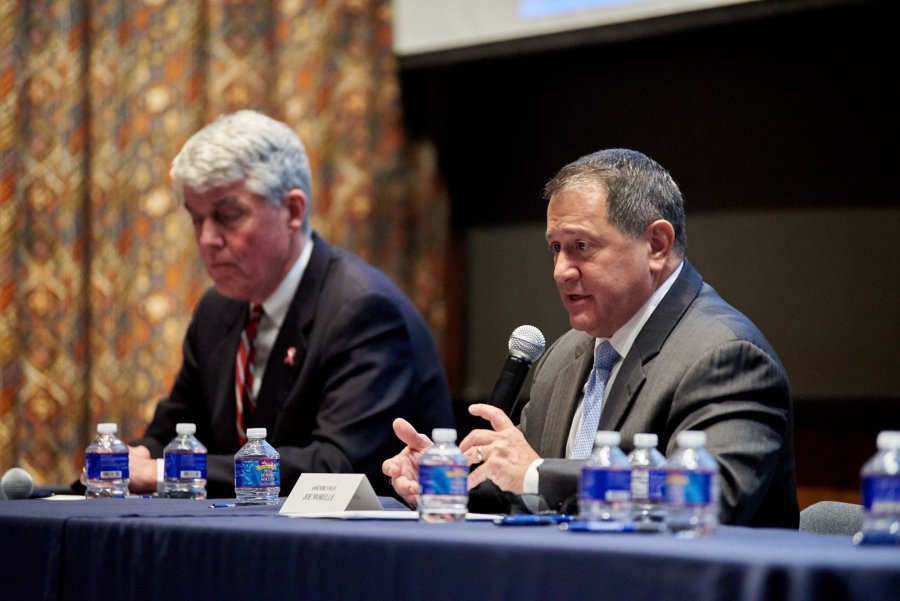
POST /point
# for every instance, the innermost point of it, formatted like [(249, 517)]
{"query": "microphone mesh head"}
[(16, 483), (526, 342)]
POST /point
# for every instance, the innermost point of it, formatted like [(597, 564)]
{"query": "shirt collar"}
[(276, 306), (624, 337)]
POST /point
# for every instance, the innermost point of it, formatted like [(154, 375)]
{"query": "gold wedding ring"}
[(478, 455)]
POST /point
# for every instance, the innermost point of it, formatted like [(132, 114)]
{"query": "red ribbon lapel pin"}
[(290, 356)]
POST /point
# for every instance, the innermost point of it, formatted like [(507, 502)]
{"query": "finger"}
[(472, 455), (478, 438), (399, 466), (406, 487), (476, 477), (495, 415), (409, 436), (474, 439), (139, 451), (390, 467)]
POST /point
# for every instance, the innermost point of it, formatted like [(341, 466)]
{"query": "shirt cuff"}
[(531, 485), (160, 475)]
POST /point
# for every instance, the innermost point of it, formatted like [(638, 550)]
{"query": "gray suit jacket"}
[(697, 364)]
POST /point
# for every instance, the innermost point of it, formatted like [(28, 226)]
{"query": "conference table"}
[(173, 549)]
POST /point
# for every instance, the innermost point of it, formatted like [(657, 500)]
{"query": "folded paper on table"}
[(382, 515), (324, 493), (345, 497)]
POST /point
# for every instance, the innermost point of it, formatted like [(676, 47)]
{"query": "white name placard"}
[(316, 493)]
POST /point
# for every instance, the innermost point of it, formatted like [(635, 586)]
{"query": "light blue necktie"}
[(604, 358)]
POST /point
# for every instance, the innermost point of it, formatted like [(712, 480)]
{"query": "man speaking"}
[(671, 354)]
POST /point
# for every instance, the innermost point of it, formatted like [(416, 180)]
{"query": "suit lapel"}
[(233, 317), (565, 398), (632, 374), (290, 350)]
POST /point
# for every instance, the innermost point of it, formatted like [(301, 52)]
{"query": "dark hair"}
[(639, 190)]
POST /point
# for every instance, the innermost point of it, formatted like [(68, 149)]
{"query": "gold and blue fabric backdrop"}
[(98, 269)]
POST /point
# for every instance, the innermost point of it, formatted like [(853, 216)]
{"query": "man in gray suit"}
[(689, 361)]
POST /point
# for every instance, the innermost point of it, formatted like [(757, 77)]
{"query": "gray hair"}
[(244, 146), (639, 190)]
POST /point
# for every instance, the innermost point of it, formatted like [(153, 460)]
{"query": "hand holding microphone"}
[(499, 453), (526, 345)]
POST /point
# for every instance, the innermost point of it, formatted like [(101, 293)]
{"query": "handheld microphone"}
[(16, 483), (526, 345)]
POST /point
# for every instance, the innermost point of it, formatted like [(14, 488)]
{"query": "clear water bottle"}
[(880, 477), (443, 480), (692, 487), (185, 465), (257, 471), (106, 465), (648, 484), (604, 496)]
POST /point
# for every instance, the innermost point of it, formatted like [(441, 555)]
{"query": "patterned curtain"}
[(98, 269)]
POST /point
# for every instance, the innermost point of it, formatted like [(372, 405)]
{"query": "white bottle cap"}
[(646, 441), (256, 432), (185, 428), (439, 435), (691, 439), (107, 428), (607, 437), (888, 440)]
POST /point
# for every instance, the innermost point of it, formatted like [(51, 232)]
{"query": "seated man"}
[(296, 336), (683, 359)]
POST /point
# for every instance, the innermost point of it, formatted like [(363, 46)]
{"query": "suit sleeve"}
[(362, 376), (738, 394), (178, 406), (193, 400)]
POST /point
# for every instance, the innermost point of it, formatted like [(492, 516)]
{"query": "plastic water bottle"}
[(257, 471), (605, 493), (185, 465), (106, 465), (692, 487), (648, 484), (880, 477), (443, 480)]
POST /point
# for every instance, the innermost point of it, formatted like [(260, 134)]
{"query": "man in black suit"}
[(686, 360), (339, 351)]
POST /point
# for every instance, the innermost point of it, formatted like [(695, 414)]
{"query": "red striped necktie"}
[(243, 372)]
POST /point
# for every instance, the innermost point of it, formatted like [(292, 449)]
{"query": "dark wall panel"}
[(793, 109)]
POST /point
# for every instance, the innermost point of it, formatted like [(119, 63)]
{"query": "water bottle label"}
[(608, 485), (257, 473), (106, 466), (185, 465), (689, 488), (881, 494), (648, 485), (444, 479)]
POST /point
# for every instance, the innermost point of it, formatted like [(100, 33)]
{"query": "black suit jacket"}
[(364, 356)]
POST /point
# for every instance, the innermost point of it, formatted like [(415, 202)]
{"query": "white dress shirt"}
[(621, 340)]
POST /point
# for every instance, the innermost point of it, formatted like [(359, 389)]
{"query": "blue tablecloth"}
[(179, 549)]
